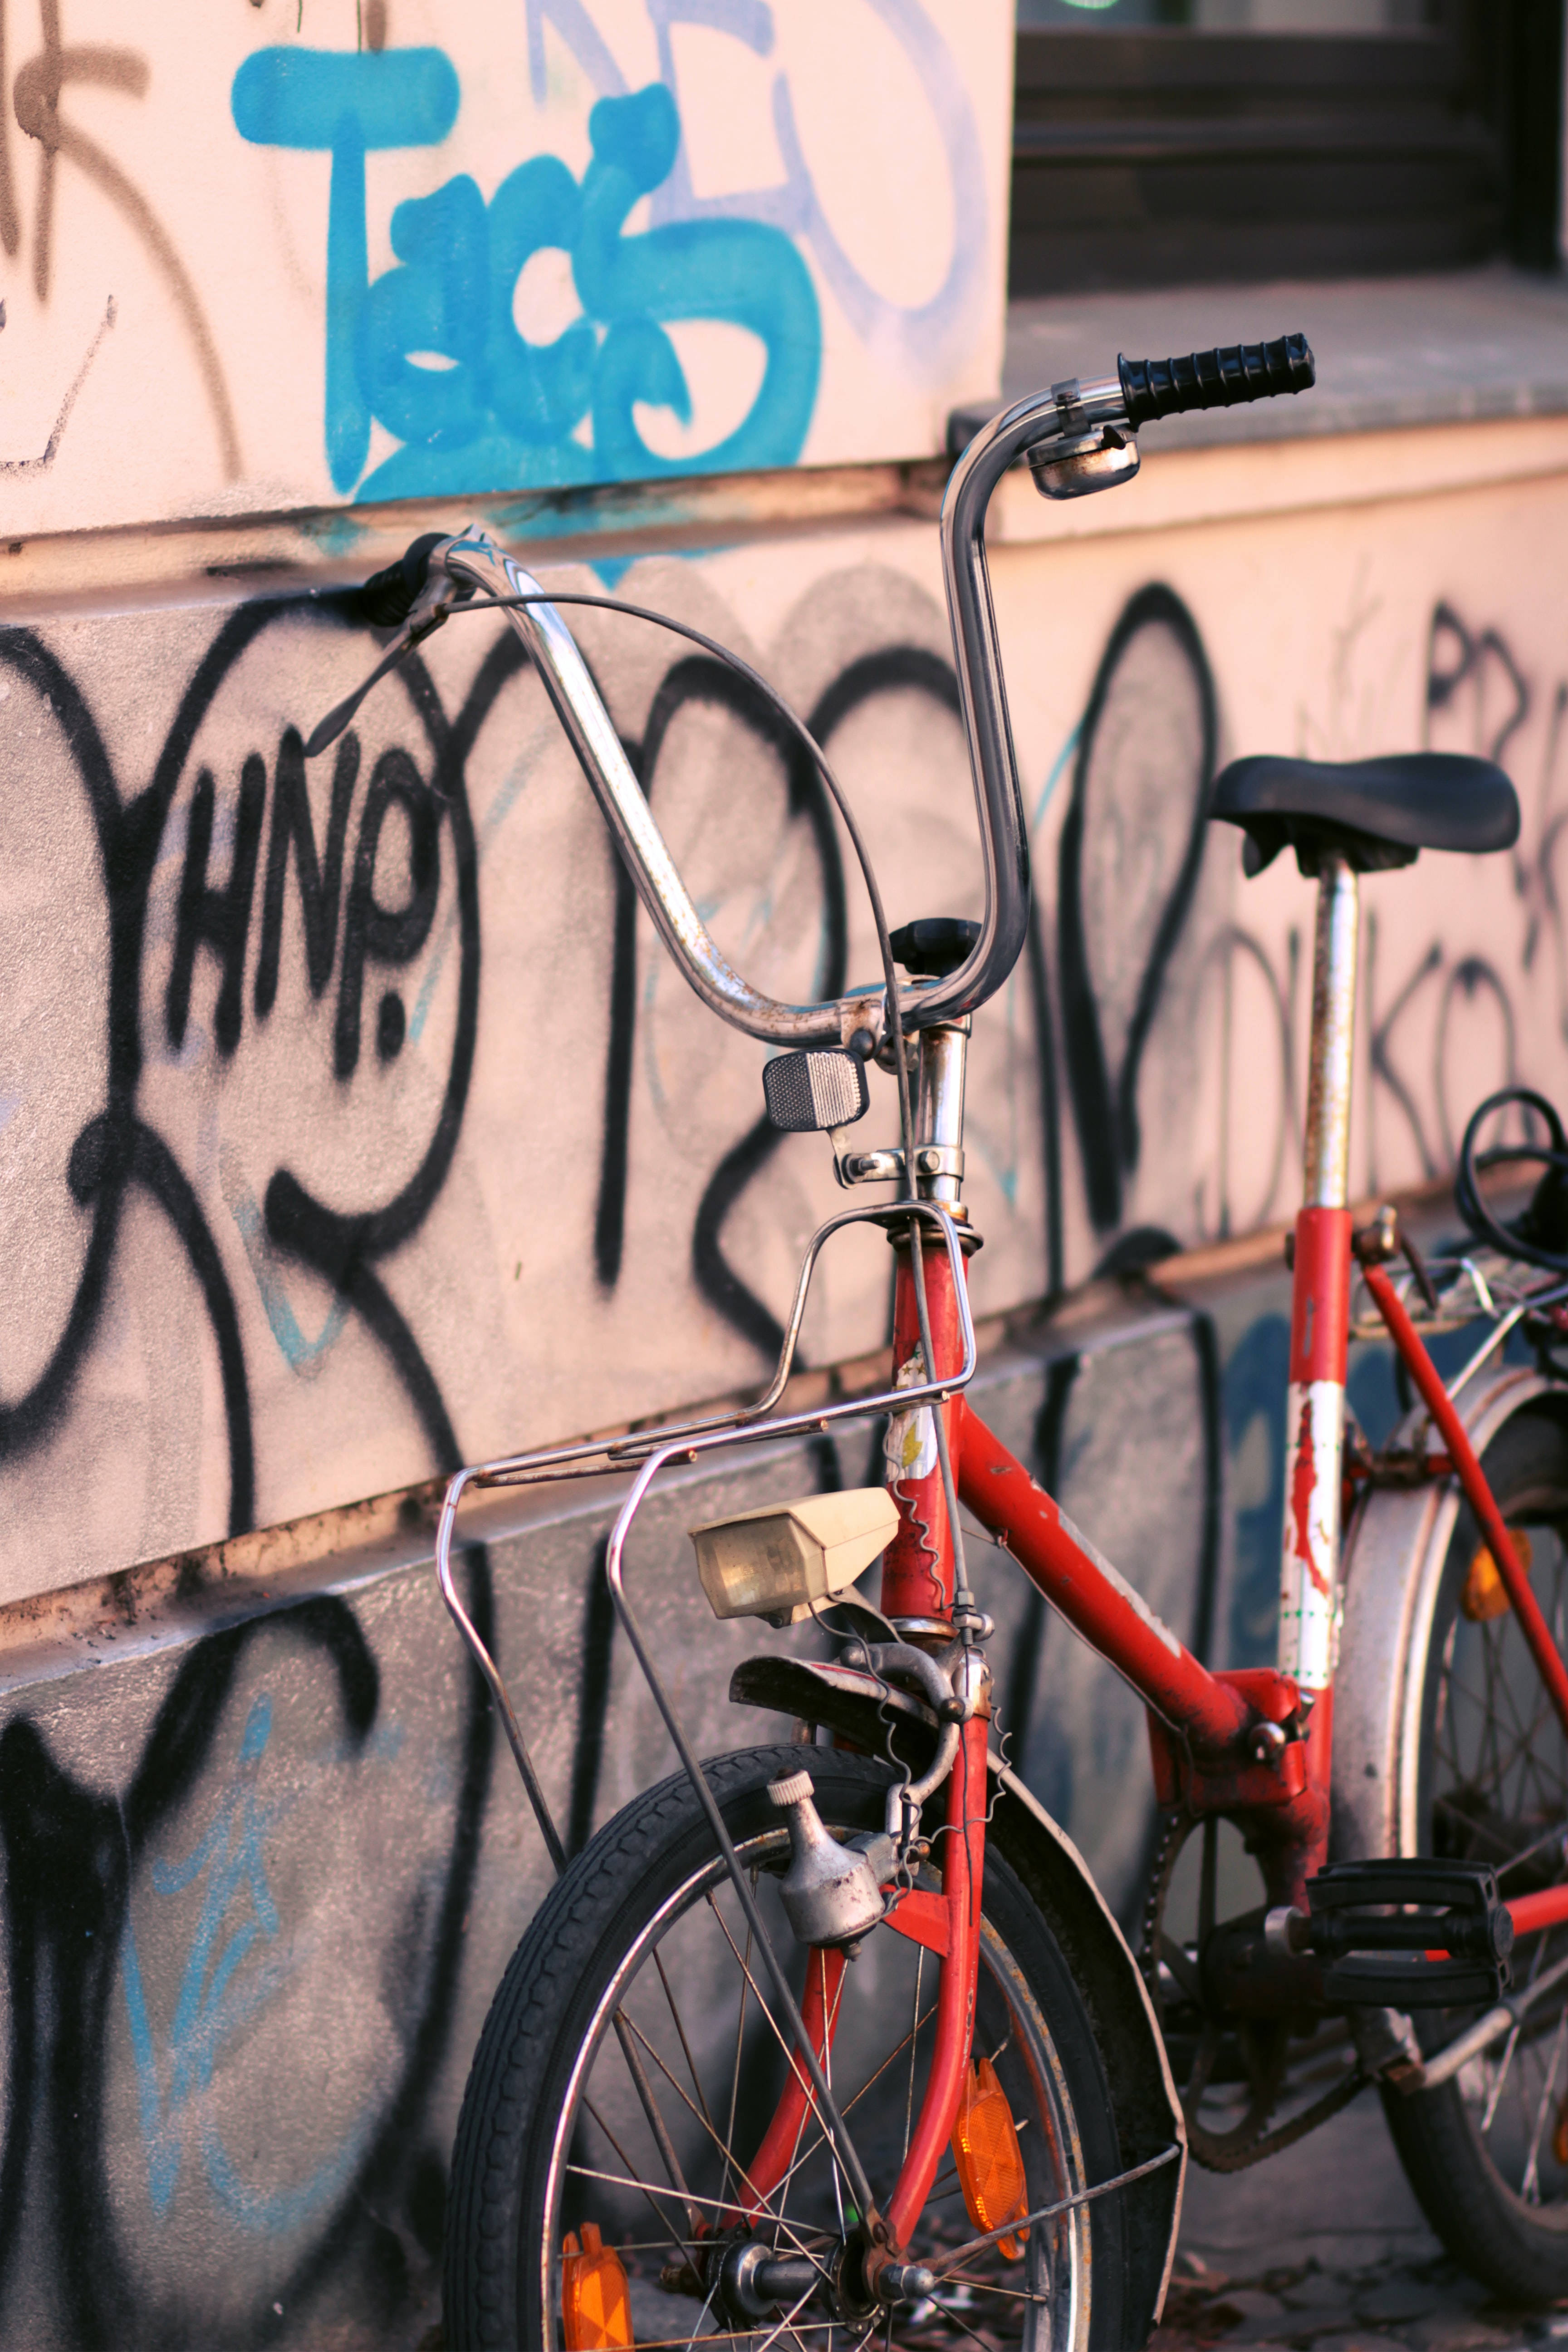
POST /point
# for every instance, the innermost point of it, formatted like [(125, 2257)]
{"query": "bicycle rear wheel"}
[(643, 1945), (1487, 2153)]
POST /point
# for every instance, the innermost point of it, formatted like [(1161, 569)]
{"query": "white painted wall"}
[(196, 323)]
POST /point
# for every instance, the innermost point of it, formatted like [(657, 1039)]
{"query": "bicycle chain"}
[(1250, 2141)]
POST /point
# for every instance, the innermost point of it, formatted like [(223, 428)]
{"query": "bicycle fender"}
[(1392, 1564), (857, 1708)]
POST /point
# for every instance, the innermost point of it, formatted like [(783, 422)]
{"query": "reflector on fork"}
[(595, 2301), (989, 2160)]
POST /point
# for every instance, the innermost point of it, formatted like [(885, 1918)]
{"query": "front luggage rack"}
[(645, 1452)]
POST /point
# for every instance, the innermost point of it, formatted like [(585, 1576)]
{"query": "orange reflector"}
[(1485, 1595), (985, 2150), (595, 2306)]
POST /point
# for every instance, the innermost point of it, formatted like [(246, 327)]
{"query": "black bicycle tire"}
[(1484, 2224), (592, 1916)]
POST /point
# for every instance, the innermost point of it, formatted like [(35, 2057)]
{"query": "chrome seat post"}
[(1328, 1136), (1310, 1602)]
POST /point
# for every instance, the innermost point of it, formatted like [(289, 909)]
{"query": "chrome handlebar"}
[(1066, 411), (1078, 438), (474, 560)]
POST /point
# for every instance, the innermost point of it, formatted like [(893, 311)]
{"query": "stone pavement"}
[(1324, 2247)]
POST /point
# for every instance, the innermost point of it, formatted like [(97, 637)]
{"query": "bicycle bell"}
[(1088, 461)]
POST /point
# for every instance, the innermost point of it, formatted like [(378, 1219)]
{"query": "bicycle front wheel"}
[(633, 2061), (1486, 2153)]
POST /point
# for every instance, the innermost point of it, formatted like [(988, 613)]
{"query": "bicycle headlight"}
[(775, 1562)]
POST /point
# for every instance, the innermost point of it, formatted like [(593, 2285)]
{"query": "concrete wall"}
[(310, 1184), (347, 1132), (483, 1175)]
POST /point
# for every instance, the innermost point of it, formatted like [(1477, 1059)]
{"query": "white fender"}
[(1393, 1561)]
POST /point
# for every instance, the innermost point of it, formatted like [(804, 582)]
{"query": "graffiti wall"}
[(354, 1120), (301, 252), (354, 1124)]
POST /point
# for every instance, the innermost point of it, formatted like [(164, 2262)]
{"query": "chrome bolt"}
[(905, 2283)]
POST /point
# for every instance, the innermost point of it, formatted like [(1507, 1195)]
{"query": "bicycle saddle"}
[(1378, 812)]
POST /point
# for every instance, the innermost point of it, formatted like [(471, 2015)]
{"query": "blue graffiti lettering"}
[(215, 2002), (302, 1355), (582, 36), (347, 105), (922, 342), (431, 349)]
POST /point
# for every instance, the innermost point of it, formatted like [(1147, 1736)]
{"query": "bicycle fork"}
[(918, 1589)]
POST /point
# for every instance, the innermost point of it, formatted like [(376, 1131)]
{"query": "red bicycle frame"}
[(1254, 1745)]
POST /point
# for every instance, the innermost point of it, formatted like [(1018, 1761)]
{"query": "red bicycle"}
[(812, 2034)]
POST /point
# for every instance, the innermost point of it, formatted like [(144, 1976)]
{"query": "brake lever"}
[(428, 612)]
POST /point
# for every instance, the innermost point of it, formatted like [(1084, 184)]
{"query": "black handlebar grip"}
[(1219, 379), (388, 597)]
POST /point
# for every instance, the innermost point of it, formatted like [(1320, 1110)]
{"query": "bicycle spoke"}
[(994, 2286), (653, 2195), (783, 2041), (1557, 1836), (740, 2037), (618, 2180), (786, 2321), (909, 2095), (1499, 2078), (707, 2307), (1503, 1799), (827, 2073), (779, 2035), (796, 2158), (869, 2084), (747, 2336), (693, 2109), (650, 2107), (685, 2046), (958, 2320)]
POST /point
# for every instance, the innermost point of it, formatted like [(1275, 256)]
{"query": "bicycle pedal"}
[(1407, 1934)]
